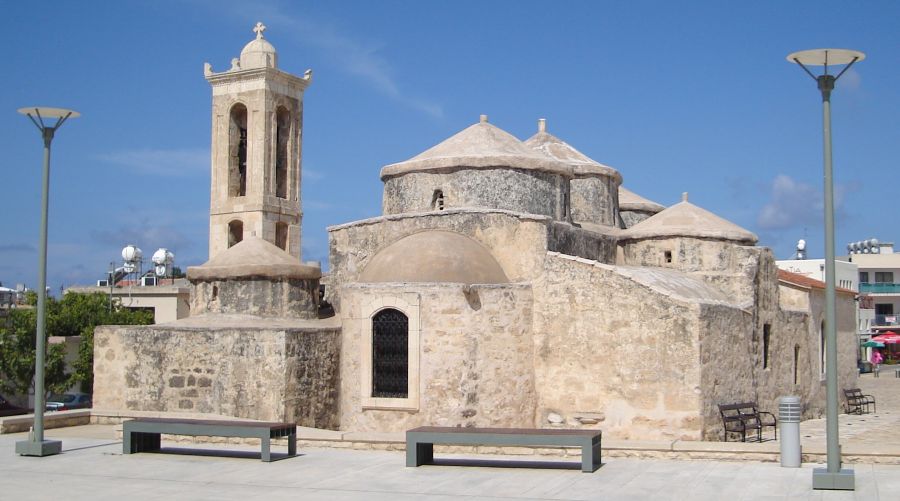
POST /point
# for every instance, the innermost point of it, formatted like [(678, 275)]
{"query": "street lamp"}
[(832, 477), (36, 445)]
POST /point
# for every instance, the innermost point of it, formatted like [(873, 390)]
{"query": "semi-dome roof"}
[(434, 256), (259, 53), (252, 257), (556, 148), (477, 147), (685, 219), (630, 201)]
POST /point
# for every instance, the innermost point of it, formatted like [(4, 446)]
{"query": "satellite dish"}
[(129, 267), (160, 270), (801, 244)]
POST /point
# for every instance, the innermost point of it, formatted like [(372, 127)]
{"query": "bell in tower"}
[(257, 122)]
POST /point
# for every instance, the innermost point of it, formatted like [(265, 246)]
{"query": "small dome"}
[(480, 146), (630, 201), (556, 148), (434, 256), (685, 219), (253, 257), (259, 53)]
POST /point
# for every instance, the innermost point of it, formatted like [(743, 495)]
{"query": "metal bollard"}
[(789, 412)]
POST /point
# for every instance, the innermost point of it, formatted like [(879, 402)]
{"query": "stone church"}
[(507, 283)]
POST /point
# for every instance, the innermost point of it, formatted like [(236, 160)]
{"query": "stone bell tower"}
[(257, 122)]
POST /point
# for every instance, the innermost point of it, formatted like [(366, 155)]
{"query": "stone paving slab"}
[(95, 468)]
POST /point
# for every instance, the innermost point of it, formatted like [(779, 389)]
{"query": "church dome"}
[(253, 257), (434, 256), (259, 53), (631, 201), (685, 219), (480, 146), (556, 148)]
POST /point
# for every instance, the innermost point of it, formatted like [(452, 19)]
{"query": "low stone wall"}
[(60, 419), (264, 371)]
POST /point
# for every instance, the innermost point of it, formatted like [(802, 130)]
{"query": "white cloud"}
[(312, 174), (794, 204), (316, 205), (850, 80), (160, 162), (357, 58)]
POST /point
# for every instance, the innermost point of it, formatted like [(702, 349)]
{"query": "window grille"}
[(390, 354)]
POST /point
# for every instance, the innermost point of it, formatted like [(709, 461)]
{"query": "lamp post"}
[(36, 445), (832, 477)]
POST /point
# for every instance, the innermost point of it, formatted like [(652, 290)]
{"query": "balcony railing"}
[(890, 319), (879, 288)]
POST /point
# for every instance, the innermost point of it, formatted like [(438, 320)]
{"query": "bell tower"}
[(257, 125)]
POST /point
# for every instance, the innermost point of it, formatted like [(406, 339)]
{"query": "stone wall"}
[(615, 354), (264, 297), (810, 321), (724, 264), (574, 241), (476, 356), (272, 373), (633, 217), (595, 200), (519, 190)]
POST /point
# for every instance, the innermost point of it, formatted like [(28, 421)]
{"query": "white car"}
[(68, 401)]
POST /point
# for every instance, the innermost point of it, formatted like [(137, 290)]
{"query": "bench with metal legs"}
[(420, 441), (143, 435)]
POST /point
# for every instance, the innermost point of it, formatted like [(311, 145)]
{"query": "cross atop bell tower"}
[(257, 122), (259, 29)]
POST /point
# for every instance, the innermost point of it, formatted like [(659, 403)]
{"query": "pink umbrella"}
[(888, 337)]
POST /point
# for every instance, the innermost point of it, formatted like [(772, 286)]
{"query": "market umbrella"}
[(888, 337), (873, 344)]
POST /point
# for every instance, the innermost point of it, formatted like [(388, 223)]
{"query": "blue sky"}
[(678, 96)]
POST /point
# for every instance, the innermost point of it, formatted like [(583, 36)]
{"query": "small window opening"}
[(235, 232), (215, 292), (282, 137), (668, 256), (437, 200), (281, 235), (796, 360), (767, 331), (237, 161)]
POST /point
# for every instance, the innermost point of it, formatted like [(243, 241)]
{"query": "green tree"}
[(73, 315), (17, 355)]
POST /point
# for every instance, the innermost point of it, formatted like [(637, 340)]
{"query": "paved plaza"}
[(92, 466)]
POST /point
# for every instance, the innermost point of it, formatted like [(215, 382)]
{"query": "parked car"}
[(8, 409), (68, 401)]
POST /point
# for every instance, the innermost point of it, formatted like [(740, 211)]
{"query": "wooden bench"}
[(420, 441), (856, 401), (143, 435), (746, 417)]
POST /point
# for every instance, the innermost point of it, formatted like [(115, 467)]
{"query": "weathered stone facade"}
[(285, 298), (507, 284), (230, 367)]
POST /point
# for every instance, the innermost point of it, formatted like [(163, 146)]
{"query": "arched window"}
[(282, 138), (437, 200), (235, 232), (281, 235), (237, 151), (390, 354)]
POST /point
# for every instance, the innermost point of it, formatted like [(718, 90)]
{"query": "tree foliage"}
[(73, 315)]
